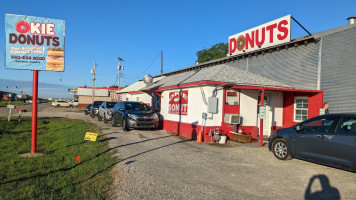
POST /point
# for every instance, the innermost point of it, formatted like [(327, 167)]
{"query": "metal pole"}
[(34, 111), (161, 63), (261, 120), (93, 93), (118, 87)]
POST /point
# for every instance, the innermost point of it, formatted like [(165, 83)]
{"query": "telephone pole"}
[(119, 67), (161, 63), (93, 72)]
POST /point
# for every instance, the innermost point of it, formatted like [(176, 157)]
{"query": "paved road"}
[(159, 165)]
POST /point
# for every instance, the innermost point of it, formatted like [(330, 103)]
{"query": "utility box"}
[(213, 105)]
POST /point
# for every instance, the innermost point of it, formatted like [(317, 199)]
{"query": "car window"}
[(110, 104), (144, 107), (347, 125), (323, 124)]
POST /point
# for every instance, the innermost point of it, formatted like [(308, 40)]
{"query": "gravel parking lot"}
[(159, 165)]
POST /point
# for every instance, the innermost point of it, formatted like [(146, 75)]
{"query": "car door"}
[(120, 112), (341, 145), (309, 142)]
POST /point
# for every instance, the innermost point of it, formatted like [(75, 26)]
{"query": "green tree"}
[(216, 51)]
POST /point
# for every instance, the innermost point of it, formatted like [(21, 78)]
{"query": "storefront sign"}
[(178, 102), (34, 43), (266, 35)]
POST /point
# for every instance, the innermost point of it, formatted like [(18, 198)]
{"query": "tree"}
[(216, 51)]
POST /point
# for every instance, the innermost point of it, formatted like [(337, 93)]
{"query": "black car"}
[(87, 109), (94, 109), (131, 114), (327, 139)]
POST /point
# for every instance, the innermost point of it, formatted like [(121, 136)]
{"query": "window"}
[(323, 124), (300, 109), (347, 125)]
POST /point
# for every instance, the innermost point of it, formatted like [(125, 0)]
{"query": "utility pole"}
[(119, 67), (161, 63), (93, 72)]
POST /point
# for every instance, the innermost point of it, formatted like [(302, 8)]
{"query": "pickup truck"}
[(62, 104)]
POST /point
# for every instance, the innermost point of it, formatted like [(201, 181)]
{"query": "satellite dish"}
[(147, 79)]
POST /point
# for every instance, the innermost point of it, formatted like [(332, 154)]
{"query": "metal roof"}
[(219, 73), (138, 86)]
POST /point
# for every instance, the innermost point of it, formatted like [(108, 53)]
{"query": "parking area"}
[(159, 165)]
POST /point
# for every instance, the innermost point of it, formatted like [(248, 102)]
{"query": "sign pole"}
[(34, 111)]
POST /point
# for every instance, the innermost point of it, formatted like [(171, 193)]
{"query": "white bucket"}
[(222, 139)]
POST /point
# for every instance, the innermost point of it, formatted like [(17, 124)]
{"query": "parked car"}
[(327, 139), (74, 103), (130, 114), (87, 109), (59, 103), (105, 111), (94, 109)]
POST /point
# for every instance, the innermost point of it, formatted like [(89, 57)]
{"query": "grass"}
[(142, 136), (16, 103), (77, 111), (55, 175)]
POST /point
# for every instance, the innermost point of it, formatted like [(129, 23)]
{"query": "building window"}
[(300, 109)]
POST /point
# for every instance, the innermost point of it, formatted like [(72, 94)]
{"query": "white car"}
[(59, 103), (105, 111)]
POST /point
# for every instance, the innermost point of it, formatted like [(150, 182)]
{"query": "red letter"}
[(250, 40), (232, 45), (258, 43), (282, 29), (270, 29)]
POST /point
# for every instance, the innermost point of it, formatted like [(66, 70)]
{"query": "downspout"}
[(319, 65), (261, 120)]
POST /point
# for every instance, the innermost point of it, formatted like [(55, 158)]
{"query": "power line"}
[(150, 64)]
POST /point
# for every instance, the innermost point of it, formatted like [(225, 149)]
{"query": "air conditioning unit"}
[(232, 119)]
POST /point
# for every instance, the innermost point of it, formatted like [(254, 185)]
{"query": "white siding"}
[(248, 107)]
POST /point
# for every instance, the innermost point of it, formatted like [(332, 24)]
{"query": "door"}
[(341, 145), (309, 143), (267, 121)]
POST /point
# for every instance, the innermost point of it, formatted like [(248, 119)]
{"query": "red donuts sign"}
[(178, 102), (266, 35)]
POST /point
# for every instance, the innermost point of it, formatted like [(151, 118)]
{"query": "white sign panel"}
[(262, 112), (266, 35)]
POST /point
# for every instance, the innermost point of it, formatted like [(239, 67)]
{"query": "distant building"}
[(85, 95)]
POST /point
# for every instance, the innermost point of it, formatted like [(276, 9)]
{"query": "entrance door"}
[(267, 121)]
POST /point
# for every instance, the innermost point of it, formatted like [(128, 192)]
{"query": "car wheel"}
[(58, 105), (124, 125), (99, 117), (281, 149), (113, 122), (105, 120), (70, 106), (92, 115)]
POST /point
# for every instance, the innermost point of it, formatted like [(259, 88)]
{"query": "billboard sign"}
[(266, 35), (34, 43), (178, 102)]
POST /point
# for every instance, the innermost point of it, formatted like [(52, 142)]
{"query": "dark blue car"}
[(327, 139)]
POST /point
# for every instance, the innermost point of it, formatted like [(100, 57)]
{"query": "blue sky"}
[(138, 30)]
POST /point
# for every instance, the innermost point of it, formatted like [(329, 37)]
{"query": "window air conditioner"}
[(232, 119)]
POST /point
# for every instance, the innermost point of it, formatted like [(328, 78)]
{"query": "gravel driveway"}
[(159, 165)]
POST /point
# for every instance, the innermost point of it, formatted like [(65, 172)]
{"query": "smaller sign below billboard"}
[(266, 35), (178, 102)]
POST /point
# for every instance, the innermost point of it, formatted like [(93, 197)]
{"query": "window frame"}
[(295, 108)]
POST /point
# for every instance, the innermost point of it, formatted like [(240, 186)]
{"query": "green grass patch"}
[(16, 103), (57, 174), (142, 136), (76, 111)]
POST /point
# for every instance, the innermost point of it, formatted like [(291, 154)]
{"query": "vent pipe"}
[(351, 20)]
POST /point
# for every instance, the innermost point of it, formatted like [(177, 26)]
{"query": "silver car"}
[(105, 111)]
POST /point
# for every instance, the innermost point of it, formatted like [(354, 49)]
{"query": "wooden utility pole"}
[(93, 93), (161, 63)]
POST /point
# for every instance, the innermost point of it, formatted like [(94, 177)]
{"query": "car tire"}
[(70, 106), (92, 115), (281, 149), (99, 117), (58, 105), (124, 125), (113, 122), (105, 120)]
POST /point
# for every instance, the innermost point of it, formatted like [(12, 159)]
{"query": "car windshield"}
[(97, 103), (136, 107), (110, 104)]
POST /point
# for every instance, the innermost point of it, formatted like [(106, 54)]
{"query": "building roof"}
[(293, 42), (138, 85), (219, 73)]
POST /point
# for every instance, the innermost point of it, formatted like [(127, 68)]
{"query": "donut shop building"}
[(267, 87)]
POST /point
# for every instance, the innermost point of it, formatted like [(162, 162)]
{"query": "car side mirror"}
[(121, 109), (298, 128)]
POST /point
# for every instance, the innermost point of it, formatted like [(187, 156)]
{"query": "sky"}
[(101, 31)]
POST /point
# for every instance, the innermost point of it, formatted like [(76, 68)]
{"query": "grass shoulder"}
[(56, 174)]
